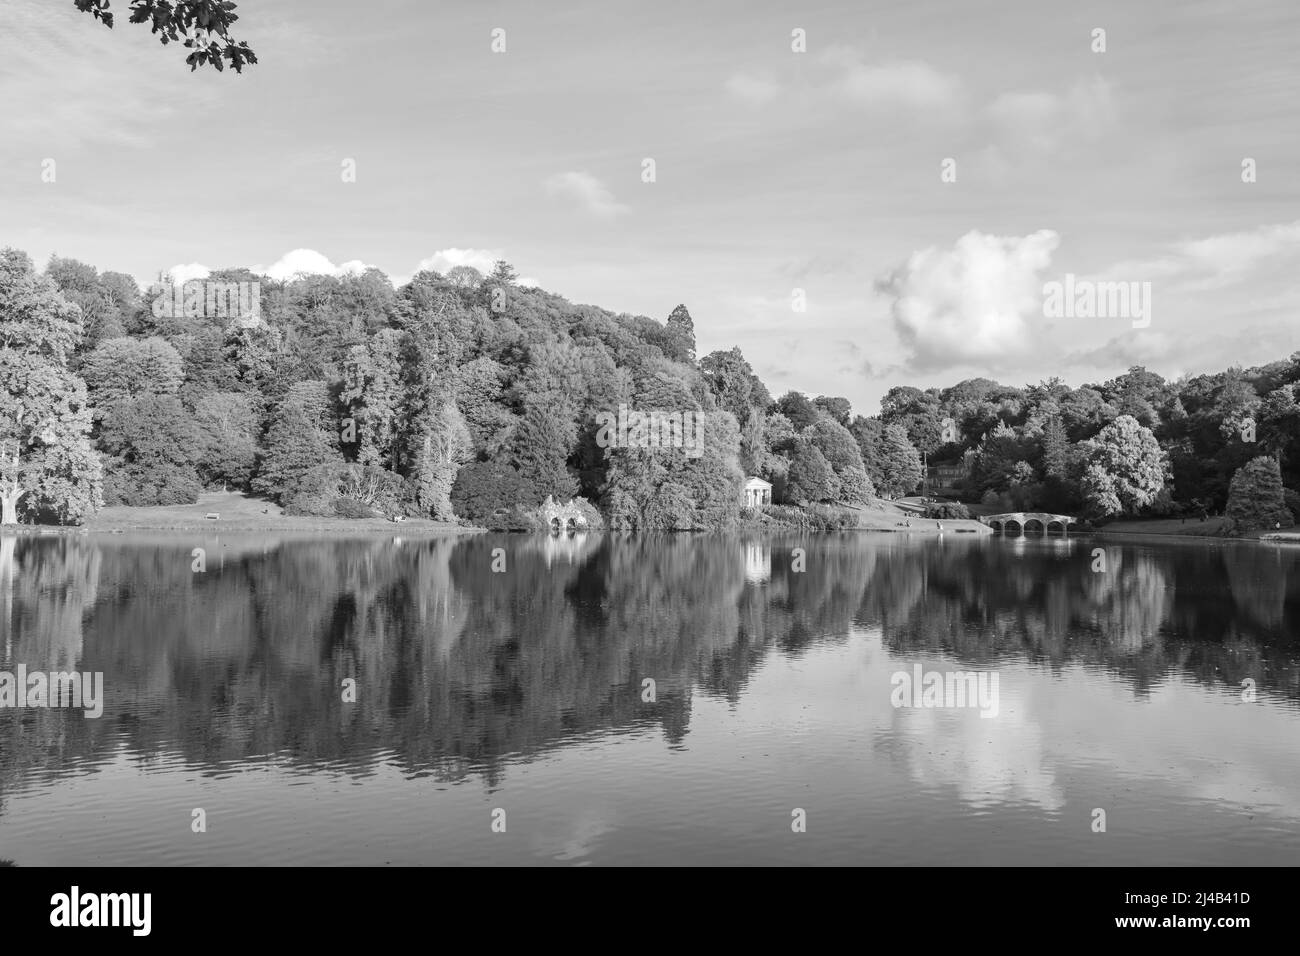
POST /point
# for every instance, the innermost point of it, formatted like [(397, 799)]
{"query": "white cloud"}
[(1217, 261), (754, 90), (180, 274), (588, 192), (308, 262), (446, 259), (908, 83), (970, 303), (1229, 257)]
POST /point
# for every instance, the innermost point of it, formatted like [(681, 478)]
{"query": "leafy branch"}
[(202, 26)]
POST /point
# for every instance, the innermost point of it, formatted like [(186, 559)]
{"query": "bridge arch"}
[(560, 518), (1026, 522)]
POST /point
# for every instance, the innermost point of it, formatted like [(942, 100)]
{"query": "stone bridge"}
[(562, 517), (1026, 518)]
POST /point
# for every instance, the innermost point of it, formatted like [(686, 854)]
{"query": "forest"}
[(469, 398)]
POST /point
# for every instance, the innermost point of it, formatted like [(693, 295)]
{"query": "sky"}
[(914, 175)]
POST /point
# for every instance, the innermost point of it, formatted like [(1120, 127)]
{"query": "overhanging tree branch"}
[(202, 26)]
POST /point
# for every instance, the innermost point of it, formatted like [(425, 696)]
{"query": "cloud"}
[(754, 90), (1214, 262), (969, 304), (180, 274), (588, 192), (1176, 354), (1042, 121), (1229, 257), (445, 260), (308, 262), (69, 81), (907, 83)]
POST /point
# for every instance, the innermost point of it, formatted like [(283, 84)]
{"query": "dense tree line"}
[(467, 396), (1136, 444)]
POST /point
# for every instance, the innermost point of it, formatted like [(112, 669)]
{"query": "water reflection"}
[(463, 671)]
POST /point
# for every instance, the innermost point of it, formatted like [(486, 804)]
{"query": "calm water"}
[(523, 691)]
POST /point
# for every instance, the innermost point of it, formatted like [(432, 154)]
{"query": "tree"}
[(997, 459), (869, 433), (1124, 469), (712, 480), (1137, 393), (540, 448), (810, 478), (835, 442), (503, 273), (796, 407), (226, 424), (47, 464), (899, 462), (753, 445), (125, 368), (841, 451), (1084, 412), (855, 486), (734, 385), (313, 397), (1055, 448), (152, 444), (199, 25), (294, 446), (349, 489), (464, 277), (441, 443), (372, 396), (124, 295), (80, 284), (671, 508), (837, 408), (488, 493), (917, 412), (1256, 500), (681, 335)]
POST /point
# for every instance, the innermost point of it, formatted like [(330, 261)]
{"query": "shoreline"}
[(308, 526)]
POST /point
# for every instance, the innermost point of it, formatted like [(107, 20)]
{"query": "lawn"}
[(239, 512)]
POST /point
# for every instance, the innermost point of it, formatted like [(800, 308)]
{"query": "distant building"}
[(757, 492), (948, 476)]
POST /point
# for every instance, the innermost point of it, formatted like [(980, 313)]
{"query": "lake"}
[(602, 699)]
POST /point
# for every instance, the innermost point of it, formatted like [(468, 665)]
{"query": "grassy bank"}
[(1190, 528), (878, 515), (240, 513)]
